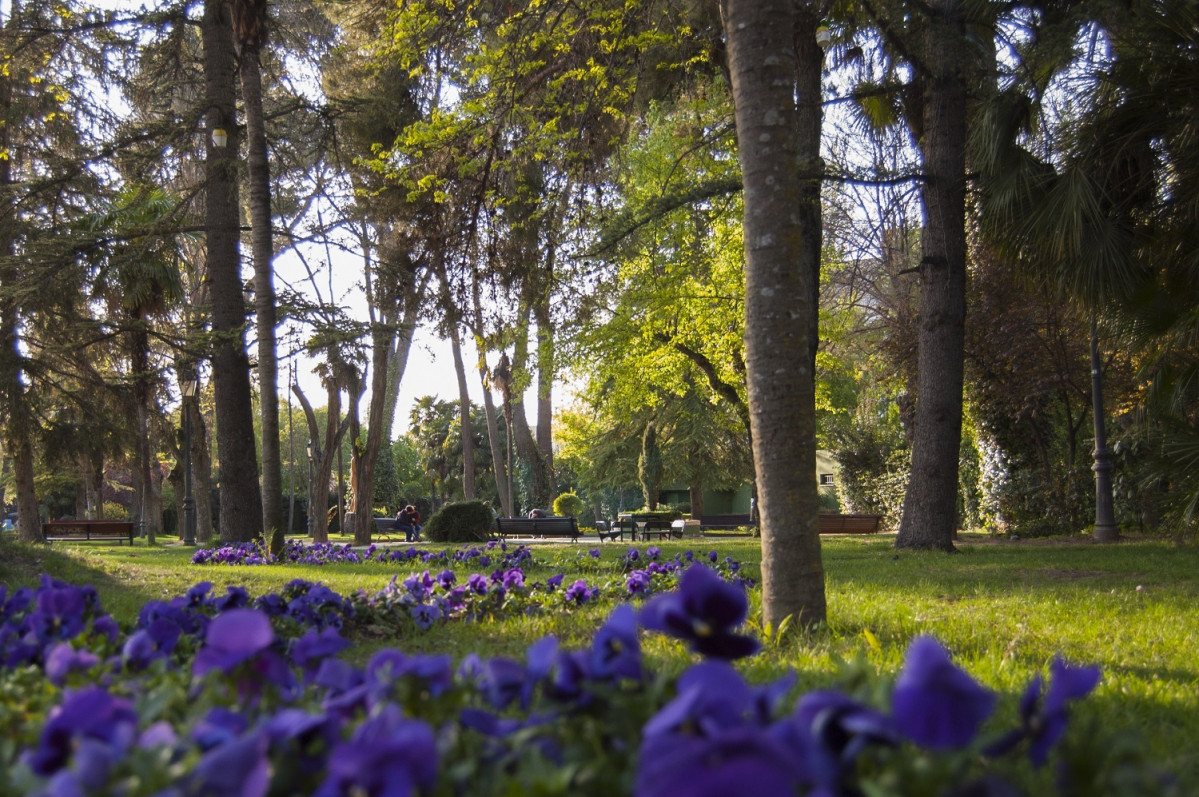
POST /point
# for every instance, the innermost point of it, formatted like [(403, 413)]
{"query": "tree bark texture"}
[(322, 457), (769, 72), (262, 249), (241, 502), (930, 503), (466, 431), (18, 420)]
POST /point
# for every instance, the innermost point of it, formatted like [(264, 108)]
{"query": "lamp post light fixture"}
[(188, 387), (824, 36), (220, 138)]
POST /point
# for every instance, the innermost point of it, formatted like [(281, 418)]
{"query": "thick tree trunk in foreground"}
[(773, 61), (241, 502), (930, 503)]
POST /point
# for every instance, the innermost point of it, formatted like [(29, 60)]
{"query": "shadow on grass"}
[(22, 565)]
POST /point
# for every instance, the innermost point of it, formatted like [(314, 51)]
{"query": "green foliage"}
[(874, 460), (649, 466), (569, 505), (387, 491), (826, 499), (462, 521), (111, 510)]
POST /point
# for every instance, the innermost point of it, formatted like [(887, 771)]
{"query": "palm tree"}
[(1075, 201)]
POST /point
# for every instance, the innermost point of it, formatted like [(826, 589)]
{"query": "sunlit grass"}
[(1003, 609)]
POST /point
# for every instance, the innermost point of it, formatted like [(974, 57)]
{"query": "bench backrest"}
[(565, 526), (850, 524), (725, 520)]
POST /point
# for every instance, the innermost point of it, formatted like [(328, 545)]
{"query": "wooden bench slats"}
[(88, 530), (537, 527), (850, 524), (725, 521)]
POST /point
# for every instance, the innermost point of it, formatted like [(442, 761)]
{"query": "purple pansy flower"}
[(638, 582), (233, 637), (935, 703), (513, 578), (703, 612), (735, 761), (238, 767), (579, 592), (387, 755), (62, 660), (1044, 721), (89, 715), (308, 651), (616, 651)]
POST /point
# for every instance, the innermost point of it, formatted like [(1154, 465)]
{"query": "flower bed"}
[(227, 695)]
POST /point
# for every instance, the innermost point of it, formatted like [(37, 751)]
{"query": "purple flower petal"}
[(935, 703)]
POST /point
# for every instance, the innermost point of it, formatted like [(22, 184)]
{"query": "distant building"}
[(736, 502)]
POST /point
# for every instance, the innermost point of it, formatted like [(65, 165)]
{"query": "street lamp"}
[(188, 387), (311, 491), (824, 36)]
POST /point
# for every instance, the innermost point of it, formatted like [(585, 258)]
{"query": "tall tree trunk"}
[(526, 445), (773, 62), (318, 487), (545, 385), (201, 471), (249, 25), (930, 503), (351, 382), (141, 402), (241, 502), (264, 291), (18, 425), (503, 486), (391, 341), (466, 431)]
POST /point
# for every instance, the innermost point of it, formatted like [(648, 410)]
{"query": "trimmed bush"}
[(463, 521), (569, 505)]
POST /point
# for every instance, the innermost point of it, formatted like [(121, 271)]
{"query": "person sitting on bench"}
[(408, 521), (538, 513)]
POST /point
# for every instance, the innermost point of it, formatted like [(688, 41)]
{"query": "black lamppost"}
[(1106, 529), (188, 387), (311, 491)]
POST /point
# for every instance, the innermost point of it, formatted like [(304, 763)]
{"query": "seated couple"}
[(408, 521)]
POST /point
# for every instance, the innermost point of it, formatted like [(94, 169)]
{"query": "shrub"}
[(111, 510), (462, 521), (569, 505)]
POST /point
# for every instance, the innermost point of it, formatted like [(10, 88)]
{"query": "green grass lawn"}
[(1004, 609)]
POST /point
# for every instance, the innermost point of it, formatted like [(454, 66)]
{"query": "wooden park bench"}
[(725, 522), (611, 530), (537, 527), (662, 527), (850, 524), (91, 530)]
